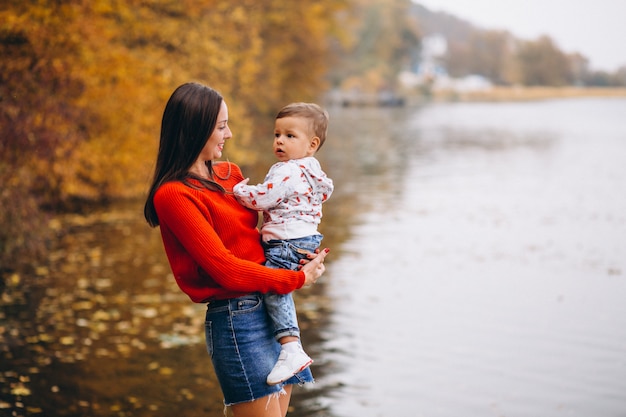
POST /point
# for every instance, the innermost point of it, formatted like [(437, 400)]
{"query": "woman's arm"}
[(186, 217)]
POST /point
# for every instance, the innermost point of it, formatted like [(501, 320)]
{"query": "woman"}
[(214, 250)]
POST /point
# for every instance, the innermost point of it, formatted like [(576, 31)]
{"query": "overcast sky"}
[(595, 28)]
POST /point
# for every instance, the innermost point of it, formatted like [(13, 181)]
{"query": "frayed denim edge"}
[(269, 398), (272, 395)]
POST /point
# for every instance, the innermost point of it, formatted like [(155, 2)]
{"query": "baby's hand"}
[(237, 188)]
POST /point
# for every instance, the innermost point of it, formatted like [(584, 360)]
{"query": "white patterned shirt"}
[(290, 197)]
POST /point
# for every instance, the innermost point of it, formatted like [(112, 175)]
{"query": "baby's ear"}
[(315, 143)]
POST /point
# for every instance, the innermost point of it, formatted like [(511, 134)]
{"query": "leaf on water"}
[(55, 224), (124, 326), (101, 315), (187, 394), (193, 311), (148, 313), (95, 253), (166, 371), (157, 269), (14, 280), (152, 282), (98, 327), (104, 283), (123, 348), (82, 305), (20, 390), (67, 340), (102, 352), (41, 271), (147, 299), (138, 344)]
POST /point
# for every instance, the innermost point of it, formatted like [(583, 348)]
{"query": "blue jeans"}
[(243, 350), (286, 254)]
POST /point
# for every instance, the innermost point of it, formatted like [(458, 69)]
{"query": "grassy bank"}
[(528, 93)]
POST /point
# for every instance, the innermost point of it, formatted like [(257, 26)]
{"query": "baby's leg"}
[(292, 358)]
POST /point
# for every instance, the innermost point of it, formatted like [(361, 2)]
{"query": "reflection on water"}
[(477, 269), (105, 331)]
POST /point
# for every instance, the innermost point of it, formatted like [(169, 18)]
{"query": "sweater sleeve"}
[(187, 218)]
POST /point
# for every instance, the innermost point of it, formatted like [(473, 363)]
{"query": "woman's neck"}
[(200, 169)]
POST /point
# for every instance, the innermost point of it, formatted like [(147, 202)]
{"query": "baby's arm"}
[(245, 194), (261, 196)]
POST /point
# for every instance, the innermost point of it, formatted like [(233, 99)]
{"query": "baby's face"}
[(293, 138)]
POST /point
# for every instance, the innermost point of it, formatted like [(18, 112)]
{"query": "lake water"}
[(486, 274), (478, 268)]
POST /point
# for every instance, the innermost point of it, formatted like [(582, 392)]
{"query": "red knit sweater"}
[(213, 244)]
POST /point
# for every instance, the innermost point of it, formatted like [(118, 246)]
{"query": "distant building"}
[(430, 71)]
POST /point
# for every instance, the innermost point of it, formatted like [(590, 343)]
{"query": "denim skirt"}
[(243, 349)]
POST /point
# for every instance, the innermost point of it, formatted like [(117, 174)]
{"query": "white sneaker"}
[(288, 364)]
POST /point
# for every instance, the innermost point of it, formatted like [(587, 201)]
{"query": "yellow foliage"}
[(113, 65)]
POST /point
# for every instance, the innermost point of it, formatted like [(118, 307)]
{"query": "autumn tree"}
[(37, 120), (385, 36), (487, 53), (543, 63), (83, 85)]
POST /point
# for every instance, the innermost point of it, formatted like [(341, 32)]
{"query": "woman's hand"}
[(314, 268)]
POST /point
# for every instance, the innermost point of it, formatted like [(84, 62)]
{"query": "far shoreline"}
[(490, 94), (527, 93)]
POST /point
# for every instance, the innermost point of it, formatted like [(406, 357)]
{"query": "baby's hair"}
[(316, 114)]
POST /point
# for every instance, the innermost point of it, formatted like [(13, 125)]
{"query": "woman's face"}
[(214, 146)]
